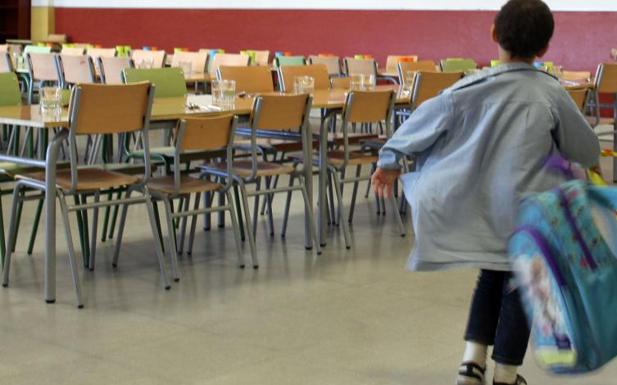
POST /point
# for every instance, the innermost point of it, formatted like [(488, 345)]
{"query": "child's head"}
[(523, 28)]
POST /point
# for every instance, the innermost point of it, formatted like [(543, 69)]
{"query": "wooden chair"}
[(343, 83), (360, 67), (6, 64), (198, 60), (97, 110), (392, 62), (42, 68), (408, 70), (252, 79), (75, 51), (579, 95), (76, 69), (197, 134), (95, 54), (427, 85), (276, 114), (319, 72), (332, 63), (148, 59), (605, 84), (228, 60), (112, 69)]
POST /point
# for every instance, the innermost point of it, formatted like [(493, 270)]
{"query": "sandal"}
[(470, 373), (520, 380)]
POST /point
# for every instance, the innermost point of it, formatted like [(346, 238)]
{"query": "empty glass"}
[(51, 103), (362, 82), (225, 94), (215, 88), (304, 85), (408, 80)]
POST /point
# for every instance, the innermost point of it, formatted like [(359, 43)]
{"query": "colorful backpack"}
[(564, 257)]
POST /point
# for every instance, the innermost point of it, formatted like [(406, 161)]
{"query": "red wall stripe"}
[(582, 39)]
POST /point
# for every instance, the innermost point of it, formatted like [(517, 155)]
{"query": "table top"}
[(165, 109)]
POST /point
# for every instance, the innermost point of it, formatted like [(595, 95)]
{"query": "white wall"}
[(557, 5)]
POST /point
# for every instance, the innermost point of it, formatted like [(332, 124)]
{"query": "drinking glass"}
[(362, 82), (228, 94), (355, 82), (215, 87), (408, 82), (368, 82), (304, 85), (51, 103)]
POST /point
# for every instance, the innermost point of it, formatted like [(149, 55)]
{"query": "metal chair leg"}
[(339, 196), (106, 218), (311, 218), (35, 225), (95, 222), (268, 200), (71, 250), (256, 206), (397, 217), (287, 206), (170, 241), (2, 238), (194, 224), (354, 194), (125, 208), (156, 235), (184, 206), (236, 229), (239, 212), (12, 229), (249, 231)]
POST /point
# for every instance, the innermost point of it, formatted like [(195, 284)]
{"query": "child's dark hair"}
[(524, 27)]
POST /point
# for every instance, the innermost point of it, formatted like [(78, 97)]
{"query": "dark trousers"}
[(497, 318)]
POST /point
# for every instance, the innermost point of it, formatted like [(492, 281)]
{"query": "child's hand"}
[(383, 181)]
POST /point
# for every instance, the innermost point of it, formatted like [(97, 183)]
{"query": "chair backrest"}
[(458, 65), (56, 38), (76, 69), (280, 112), (282, 61), (96, 53), (575, 76), (262, 57), (112, 68), (208, 134), (6, 64), (10, 95), (410, 68), (155, 59), (43, 66), (73, 51), (253, 79), (579, 95), (228, 60), (198, 60), (360, 66), (427, 85), (319, 72), (392, 62), (37, 49), (342, 83), (332, 63), (109, 109), (368, 106), (169, 82), (606, 78)]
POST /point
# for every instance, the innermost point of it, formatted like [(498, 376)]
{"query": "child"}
[(478, 148)]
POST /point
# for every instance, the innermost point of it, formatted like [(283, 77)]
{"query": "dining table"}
[(165, 114)]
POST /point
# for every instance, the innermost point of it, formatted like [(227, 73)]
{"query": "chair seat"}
[(188, 185), (124, 168), (337, 158), (244, 168), (278, 145), (88, 179)]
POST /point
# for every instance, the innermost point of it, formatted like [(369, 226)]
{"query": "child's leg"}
[(482, 325), (512, 336)]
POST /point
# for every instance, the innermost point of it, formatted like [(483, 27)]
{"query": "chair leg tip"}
[(50, 301), (242, 266), (319, 253), (176, 279), (255, 267), (114, 265), (308, 248), (5, 285), (348, 247), (80, 306), (323, 244), (168, 287)]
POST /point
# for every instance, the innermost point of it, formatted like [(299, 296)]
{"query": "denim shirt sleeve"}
[(575, 138), (425, 125)]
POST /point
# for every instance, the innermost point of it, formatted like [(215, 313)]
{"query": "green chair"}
[(282, 61), (169, 82), (458, 65)]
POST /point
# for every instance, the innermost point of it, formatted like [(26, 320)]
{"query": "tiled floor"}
[(346, 317)]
